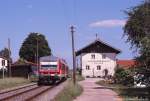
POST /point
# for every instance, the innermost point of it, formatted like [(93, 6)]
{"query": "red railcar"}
[(52, 69)]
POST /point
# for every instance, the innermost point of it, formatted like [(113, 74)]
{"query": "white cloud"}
[(108, 23)]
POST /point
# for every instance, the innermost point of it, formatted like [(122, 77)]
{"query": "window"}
[(104, 56), (49, 66), (93, 56), (87, 67), (3, 62), (98, 67)]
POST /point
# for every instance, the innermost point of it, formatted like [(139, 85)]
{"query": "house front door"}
[(105, 72)]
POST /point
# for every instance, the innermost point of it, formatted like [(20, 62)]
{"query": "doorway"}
[(105, 72)]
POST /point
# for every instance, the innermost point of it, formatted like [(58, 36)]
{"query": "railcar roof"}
[(49, 58)]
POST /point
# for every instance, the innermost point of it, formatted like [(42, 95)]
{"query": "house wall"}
[(3, 66), (108, 63)]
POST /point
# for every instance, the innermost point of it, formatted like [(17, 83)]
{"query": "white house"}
[(97, 59), (3, 63)]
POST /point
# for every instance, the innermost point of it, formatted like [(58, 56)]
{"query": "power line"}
[(69, 11), (64, 10), (74, 12)]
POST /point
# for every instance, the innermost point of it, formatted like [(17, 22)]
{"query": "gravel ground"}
[(25, 96), (50, 94), (9, 92)]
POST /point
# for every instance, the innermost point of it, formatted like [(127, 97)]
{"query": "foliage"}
[(123, 76), (4, 53), (138, 24), (137, 31), (21, 61), (28, 50), (79, 70), (145, 52), (127, 93)]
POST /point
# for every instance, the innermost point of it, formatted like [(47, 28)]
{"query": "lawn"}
[(71, 91), (12, 82), (128, 93)]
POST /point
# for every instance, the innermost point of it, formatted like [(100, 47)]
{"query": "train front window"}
[(49, 66)]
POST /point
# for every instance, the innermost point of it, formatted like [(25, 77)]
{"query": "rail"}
[(25, 93)]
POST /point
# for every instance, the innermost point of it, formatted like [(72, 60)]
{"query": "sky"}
[(53, 18)]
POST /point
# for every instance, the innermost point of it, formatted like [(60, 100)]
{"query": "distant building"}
[(3, 63), (97, 59), (126, 63), (23, 69)]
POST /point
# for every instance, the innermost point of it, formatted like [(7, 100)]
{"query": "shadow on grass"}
[(103, 87), (141, 93), (134, 94)]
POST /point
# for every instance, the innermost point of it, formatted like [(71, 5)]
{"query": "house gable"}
[(98, 46)]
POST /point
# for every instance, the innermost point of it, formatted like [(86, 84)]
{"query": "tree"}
[(137, 31), (28, 50), (4, 53)]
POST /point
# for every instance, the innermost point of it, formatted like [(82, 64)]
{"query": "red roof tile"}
[(126, 63)]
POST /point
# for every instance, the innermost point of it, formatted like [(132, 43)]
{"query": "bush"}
[(33, 78), (123, 76)]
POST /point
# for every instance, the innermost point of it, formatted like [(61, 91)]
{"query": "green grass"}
[(12, 82), (79, 78), (127, 93), (69, 93)]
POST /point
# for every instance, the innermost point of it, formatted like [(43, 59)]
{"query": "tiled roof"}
[(24, 63), (98, 45), (126, 63)]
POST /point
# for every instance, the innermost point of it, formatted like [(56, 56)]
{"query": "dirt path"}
[(94, 92)]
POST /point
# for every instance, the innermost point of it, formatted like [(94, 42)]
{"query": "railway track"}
[(25, 93), (14, 91)]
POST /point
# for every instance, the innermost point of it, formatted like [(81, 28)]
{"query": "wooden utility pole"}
[(96, 36), (9, 60), (73, 55), (3, 61), (37, 52)]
